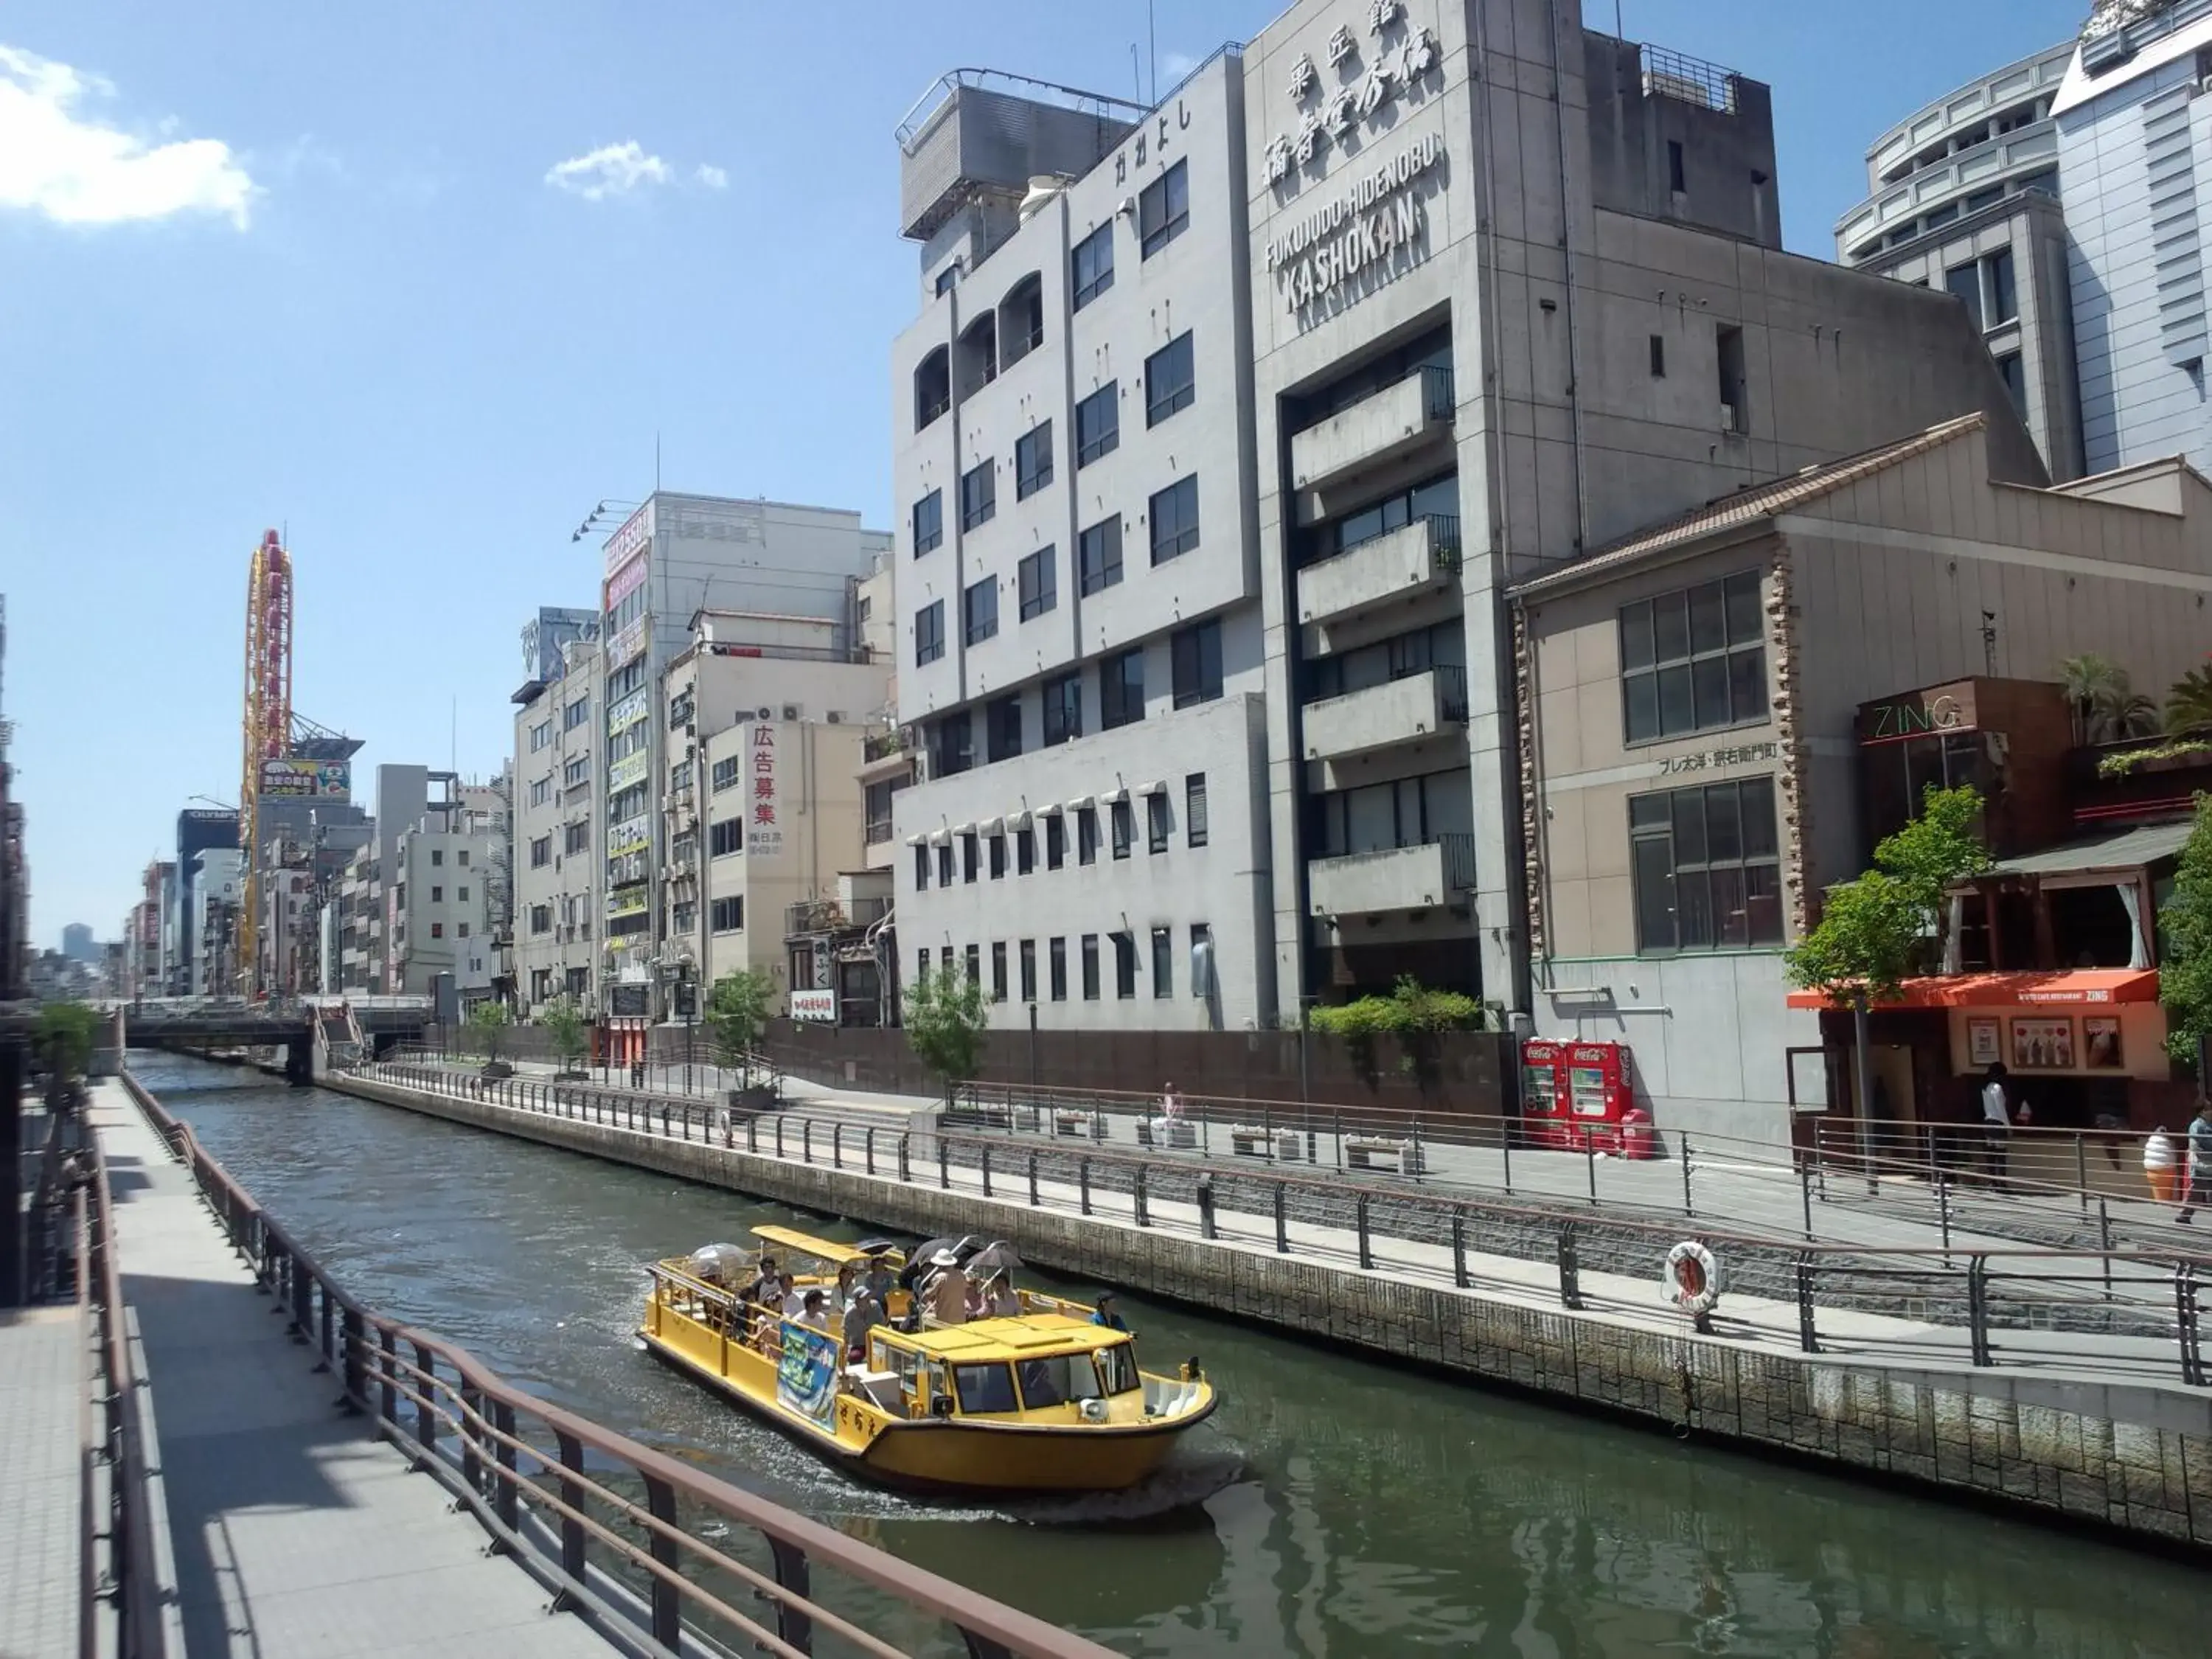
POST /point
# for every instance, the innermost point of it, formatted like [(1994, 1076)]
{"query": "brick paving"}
[(294, 1532)]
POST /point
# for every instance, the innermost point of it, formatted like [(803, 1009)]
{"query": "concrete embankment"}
[(2132, 1456)]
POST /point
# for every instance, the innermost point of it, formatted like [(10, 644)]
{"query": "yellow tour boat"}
[(1043, 1400)]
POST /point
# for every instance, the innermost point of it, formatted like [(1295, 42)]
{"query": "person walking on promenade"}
[(1997, 1124), (2199, 1190)]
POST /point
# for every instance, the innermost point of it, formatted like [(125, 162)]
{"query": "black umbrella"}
[(877, 1246), (920, 1262), (998, 1257)]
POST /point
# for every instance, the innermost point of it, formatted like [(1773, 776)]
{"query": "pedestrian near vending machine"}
[(2199, 1190)]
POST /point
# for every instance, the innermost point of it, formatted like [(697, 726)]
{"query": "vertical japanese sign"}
[(764, 825)]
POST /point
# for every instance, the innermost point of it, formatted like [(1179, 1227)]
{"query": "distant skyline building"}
[(77, 943)]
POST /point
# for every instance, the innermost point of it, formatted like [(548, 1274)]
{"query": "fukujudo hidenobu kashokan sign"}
[(1373, 219)]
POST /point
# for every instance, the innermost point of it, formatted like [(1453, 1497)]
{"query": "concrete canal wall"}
[(2137, 1458)]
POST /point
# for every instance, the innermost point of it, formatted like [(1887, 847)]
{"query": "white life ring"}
[(1691, 1280)]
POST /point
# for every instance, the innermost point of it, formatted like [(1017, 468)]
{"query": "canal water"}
[(1333, 1507)]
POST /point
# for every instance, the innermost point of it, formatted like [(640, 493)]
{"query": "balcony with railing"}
[(1384, 426), (830, 916), (1399, 564), (877, 831), (1413, 877), (1405, 709)]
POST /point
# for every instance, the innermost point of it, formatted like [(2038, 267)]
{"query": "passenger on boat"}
[(877, 1282), (1109, 1312), (948, 1291), (814, 1312), (863, 1316), (848, 1279), (763, 1282), (1000, 1299)]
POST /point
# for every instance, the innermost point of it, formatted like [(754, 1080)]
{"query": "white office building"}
[(556, 822), (2134, 116)]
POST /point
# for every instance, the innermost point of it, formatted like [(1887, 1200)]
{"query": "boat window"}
[(1117, 1368), (1057, 1378), (984, 1389)]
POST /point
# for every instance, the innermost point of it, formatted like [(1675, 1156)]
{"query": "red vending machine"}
[(1576, 1093)]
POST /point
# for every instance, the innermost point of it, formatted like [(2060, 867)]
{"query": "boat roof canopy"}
[(807, 1244), (1015, 1338)]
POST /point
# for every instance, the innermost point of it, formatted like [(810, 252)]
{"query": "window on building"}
[(1162, 963), (576, 714), (1090, 265), (1003, 718), (1658, 356), (725, 774), (1125, 965), (541, 791), (979, 611), (979, 494), (727, 915), (437, 896), (973, 956), (921, 964), (1029, 969), (948, 279), (541, 918), (1097, 424), (928, 522), (1055, 842), (461, 894), (945, 864), (1676, 180), (1122, 689), (726, 837), (951, 746), (921, 869), (994, 847), (970, 869), (1090, 967), (437, 930), (1693, 660), (944, 959), (1056, 969), (2015, 380), (2002, 294), (1175, 520), (461, 858), (1086, 834), (1038, 579), (1194, 809), (1033, 460), (577, 838), (1196, 654), (1706, 874), (1099, 555), (1170, 380), (541, 852), (1736, 411), (933, 375), (575, 771), (540, 735), (1156, 820), (1024, 851), (1965, 283), (1063, 709), (929, 632), (1201, 959), (1124, 821), (997, 970), (1163, 209)]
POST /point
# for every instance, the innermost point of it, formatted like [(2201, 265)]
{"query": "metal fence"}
[(2053, 1306), (632, 1538)]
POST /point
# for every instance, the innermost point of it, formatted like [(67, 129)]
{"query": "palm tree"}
[(2104, 707), (2189, 704)]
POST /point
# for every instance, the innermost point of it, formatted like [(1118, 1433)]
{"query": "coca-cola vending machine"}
[(1575, 1095)]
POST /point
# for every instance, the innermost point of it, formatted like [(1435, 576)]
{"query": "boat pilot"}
[(1109, 1312)]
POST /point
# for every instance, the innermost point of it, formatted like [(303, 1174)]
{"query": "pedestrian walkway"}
[(43, 1401), (294, 1533)]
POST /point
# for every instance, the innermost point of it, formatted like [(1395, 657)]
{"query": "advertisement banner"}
[(627, 770), (815, 1005), (763, 825), (627, 644), (306, 780), (806, 1374), (634, 536)]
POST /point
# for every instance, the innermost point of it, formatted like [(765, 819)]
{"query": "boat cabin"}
[(1041, 1366)]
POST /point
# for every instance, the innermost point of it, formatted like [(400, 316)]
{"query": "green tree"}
[(2189, 703), (564, 1024), (2185, 975), (486, 1022), (945, 1019), (736, 1015), (1941, 846), (2106, 707), (67, 1032), (1418, 1015)]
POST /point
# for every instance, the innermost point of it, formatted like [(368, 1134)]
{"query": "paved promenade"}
[(293, 1533), (42, 1403)]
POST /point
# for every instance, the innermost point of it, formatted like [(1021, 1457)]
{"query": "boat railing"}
[(594, 1515)]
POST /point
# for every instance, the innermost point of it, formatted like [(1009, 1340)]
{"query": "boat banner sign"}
[(806, 1376)]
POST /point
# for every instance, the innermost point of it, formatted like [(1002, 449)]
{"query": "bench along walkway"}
[(294, 1531)]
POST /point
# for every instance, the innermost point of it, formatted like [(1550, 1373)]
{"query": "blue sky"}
[(319, 268)]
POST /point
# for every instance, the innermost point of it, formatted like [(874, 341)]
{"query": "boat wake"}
[(1178, 1486)]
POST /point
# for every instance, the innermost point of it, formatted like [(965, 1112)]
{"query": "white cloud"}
[(1175, 65), (610, 170), (713, 176), (57, 160)]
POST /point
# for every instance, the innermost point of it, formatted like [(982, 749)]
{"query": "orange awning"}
[(2073, 986)]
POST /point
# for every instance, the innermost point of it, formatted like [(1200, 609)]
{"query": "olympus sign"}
[(1363, 227)]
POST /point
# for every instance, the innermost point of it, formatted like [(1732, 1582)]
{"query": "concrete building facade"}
[(1696, 759), (557, 834), (1964, 198), (2134, 116), (676, 556), (1078, 583)]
